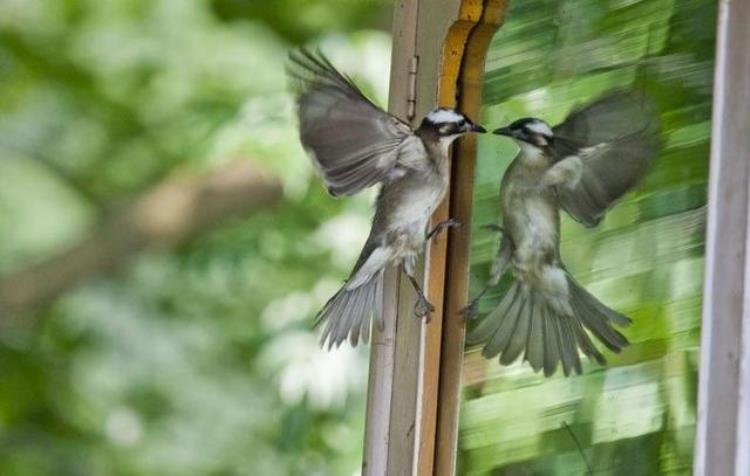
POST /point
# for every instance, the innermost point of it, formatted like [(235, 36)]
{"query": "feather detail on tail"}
[(530, 321), (348, 312)]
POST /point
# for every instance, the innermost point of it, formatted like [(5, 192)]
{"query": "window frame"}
[(437, 59), (723, 429), (415, 368)]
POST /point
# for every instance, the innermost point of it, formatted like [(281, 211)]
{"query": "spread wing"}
[(603, 150), (353, 142)]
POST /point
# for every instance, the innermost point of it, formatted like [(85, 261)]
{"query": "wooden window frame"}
[(415, 368), (438, 56)]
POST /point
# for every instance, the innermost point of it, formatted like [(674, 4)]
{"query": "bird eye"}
[(461, 123)]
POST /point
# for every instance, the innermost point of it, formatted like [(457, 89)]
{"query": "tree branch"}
[(174, 211)]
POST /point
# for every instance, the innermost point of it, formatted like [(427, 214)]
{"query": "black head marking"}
[(446, 122), (528, 129)]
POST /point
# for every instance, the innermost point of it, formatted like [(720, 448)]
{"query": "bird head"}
[(448, 124), (528, 130)]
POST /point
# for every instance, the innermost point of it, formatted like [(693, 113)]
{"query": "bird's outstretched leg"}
[(423, 307), (494, 227), (470, 311), (499, 265), (440, 227)]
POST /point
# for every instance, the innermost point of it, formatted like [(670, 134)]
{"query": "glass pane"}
[(637, 415)]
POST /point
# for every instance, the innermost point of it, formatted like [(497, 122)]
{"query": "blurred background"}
[(165, 243)]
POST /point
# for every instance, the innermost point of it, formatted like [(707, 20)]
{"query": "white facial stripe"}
[(540, 128), (440, 116)]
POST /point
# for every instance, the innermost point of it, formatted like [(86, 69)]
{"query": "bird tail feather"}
[(528, 320), (348, 313)]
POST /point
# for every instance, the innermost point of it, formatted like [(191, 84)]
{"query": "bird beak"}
[(477, 128), (503, 131)]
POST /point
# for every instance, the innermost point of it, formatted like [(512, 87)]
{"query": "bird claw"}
[(470, 311), (423, 308), (493, 227), (450, 223)]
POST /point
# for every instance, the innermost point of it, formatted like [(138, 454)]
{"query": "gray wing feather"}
[(551, 347), (535, 342), (613, 115), (585, 344), (520, 334), (349, 325), (526, 320), (348, 313), (620, 132), (569, 344), (488, 327), (564, 356), (353, 142), (378, 303), (596, 317), (505, 320)]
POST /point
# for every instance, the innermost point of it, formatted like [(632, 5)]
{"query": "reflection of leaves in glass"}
[(636, 416)]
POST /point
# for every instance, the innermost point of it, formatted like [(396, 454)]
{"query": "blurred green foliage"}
[(637, 416), (197, 360), (298, 20)]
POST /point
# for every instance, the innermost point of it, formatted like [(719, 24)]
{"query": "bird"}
[(583, 166), (355, 144)]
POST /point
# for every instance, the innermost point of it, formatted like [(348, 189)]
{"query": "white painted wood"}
[(742, 450), (380, 391), (723, 431)]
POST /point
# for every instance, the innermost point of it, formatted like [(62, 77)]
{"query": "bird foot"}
[(440, 227), (423, 308), (493, 227), (470, 311)]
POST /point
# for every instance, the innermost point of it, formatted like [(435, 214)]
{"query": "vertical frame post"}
[(405, 362), (723, 432), (457, 271)]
